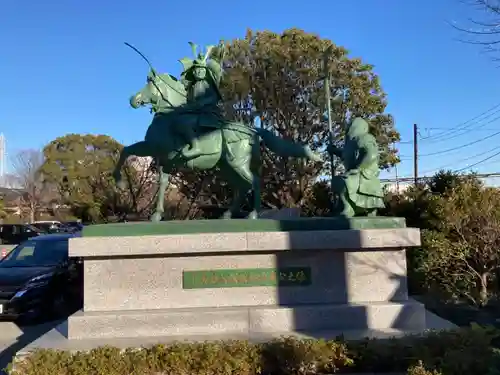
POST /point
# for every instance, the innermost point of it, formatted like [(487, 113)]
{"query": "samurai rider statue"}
[(201, 77), (189, 107), (359, 189)]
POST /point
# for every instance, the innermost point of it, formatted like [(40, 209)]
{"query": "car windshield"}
[(37, 254), (41, 226), (33, 228)]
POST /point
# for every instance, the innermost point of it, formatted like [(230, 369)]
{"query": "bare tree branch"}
[(26, 165), (486, 31)]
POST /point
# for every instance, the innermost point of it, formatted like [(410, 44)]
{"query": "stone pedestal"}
[(244, 277)]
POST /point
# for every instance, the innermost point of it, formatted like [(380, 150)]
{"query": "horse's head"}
[(162, 92)]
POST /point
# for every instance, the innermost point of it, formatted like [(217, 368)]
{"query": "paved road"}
[(14, 338)]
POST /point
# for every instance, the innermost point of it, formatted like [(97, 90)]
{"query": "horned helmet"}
[(201, 64)]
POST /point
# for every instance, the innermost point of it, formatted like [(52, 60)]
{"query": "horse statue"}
[(188, 131)]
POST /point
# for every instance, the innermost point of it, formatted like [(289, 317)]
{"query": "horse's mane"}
[(172, 81), (174, 85)]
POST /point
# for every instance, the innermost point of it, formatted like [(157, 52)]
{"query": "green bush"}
[(464, 351), (461, 352), (420, 369)]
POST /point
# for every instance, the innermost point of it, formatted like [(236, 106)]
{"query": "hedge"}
[(465, 351)]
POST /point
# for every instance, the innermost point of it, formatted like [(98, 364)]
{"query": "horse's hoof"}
[(121, 185), (156, 217), (253, 215), (313, 156)]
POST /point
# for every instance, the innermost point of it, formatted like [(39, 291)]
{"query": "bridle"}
[(153, 81)]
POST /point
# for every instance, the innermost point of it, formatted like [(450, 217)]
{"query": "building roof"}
[(9, 195)]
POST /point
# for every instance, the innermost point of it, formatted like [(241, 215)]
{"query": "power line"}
[(461, 160), (455, 171), (454, 132), (424, 178), (415, 170), (483, 129), (451, 131), (458, 131), (462, 146), (451, 136), (479, 162), (464, 125)]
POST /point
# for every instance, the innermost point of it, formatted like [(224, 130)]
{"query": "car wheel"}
[(60, 307), (55, 310)]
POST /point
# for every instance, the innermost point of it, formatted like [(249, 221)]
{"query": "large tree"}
[(278, 80), (80, 166)]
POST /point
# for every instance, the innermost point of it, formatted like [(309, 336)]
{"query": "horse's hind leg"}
[(142, 148), (241, 179), (160, 199)]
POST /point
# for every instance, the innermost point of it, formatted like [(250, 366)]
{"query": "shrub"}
[(420, 369), (461, 352), (292, 356), (452, 352)]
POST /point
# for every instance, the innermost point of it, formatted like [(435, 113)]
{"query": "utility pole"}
[(415, 154), (397, 179), (2, 161)]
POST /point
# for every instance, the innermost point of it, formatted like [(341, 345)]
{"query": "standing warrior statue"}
[(359, 188)]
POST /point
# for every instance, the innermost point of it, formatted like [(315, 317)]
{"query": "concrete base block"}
[(248, 320), (156, 283), (55, 339)]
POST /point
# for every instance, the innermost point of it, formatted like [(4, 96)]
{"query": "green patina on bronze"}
[(248, 277), (359, 189), (231, 226), (189, 132)]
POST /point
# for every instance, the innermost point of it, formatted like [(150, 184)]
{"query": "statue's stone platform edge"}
[(234, 226)]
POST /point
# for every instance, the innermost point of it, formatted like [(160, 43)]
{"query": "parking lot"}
[(13, 338)]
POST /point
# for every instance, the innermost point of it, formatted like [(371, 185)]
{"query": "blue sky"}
[(64, 68)]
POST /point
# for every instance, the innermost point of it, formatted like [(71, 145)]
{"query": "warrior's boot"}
[(192, 150)]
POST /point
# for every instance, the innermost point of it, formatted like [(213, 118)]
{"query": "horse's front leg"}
[(238, 199), (160, 200)]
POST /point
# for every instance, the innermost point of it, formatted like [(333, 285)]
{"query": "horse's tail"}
[(285, 148)]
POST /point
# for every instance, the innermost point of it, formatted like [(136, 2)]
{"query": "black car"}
[(48, 227), (73, 226), (13, 234), (38, 281)]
